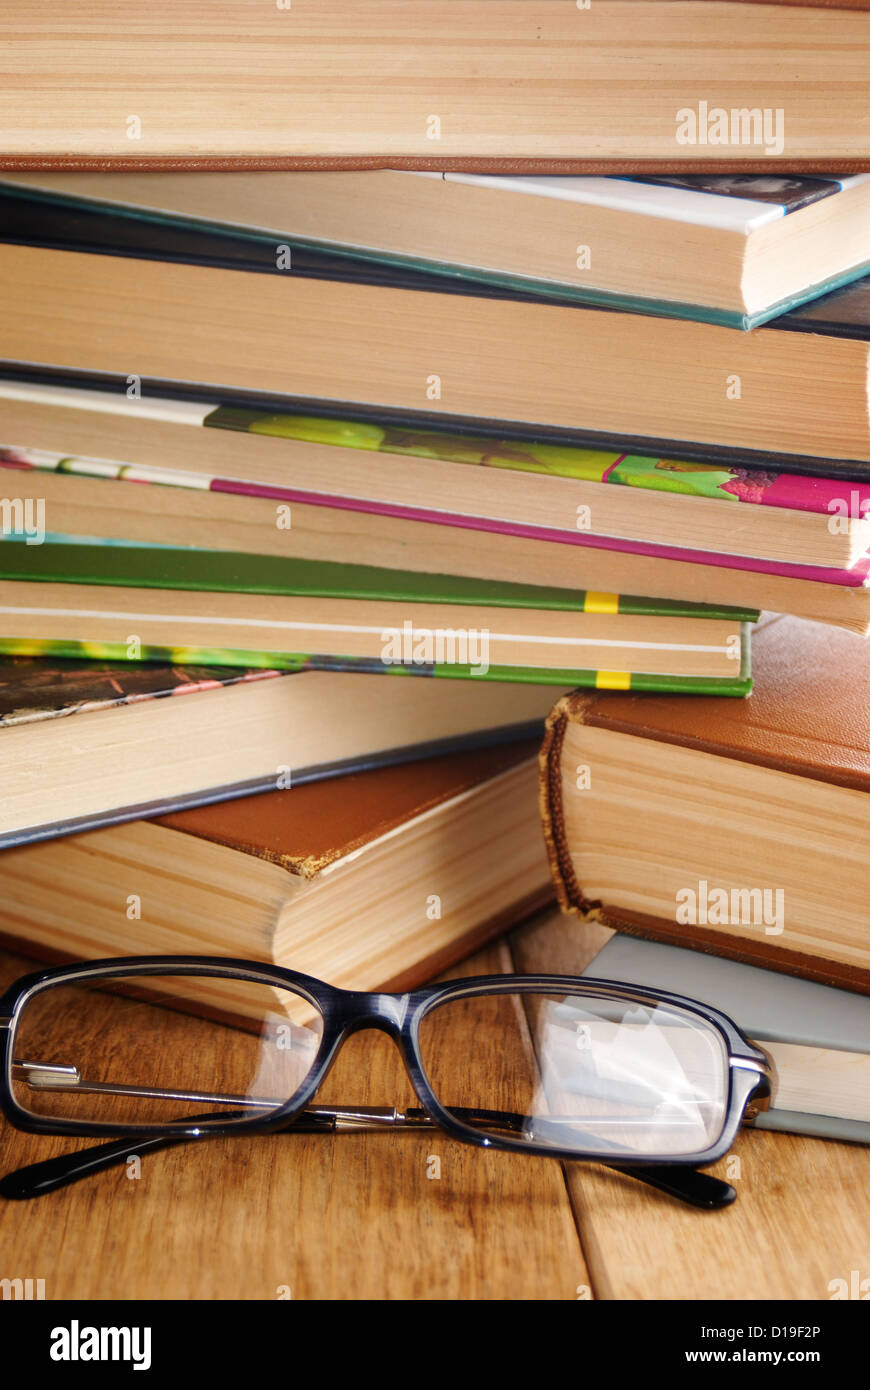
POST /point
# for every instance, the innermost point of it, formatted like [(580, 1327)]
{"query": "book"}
[(738, 249), (817, 1038), (193, 605), (90, 743), (379, 880), (738, 829), (516, 485), (515, 362), (178, 517), (434, 83)]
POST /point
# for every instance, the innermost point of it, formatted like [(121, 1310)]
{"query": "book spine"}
[(569, 894)]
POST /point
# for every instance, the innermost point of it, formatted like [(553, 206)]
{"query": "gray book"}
[(817, 1037)]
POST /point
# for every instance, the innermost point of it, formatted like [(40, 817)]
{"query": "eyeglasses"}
[(168, 1049)]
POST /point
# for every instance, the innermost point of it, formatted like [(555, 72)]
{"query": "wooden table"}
[(360, 1216)]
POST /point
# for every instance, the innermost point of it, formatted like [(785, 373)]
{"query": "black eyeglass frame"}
[(345, 1012)]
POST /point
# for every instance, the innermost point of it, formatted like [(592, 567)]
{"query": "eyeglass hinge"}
[(367, 1116), (755, 1108)]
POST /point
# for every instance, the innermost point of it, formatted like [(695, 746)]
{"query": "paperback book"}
[(795, 521)]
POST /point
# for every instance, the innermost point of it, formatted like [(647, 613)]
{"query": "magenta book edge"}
[(799, 493), (854, 578)]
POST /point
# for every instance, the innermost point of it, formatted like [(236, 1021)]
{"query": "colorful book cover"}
[(215, 571), (32, 690), (844, 503), (723, 482), (738, 685), (855, 577), (726, 483)]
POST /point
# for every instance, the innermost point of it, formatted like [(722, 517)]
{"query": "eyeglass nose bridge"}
[(352, 1011)]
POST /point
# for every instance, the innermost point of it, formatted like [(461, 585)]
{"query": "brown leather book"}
[(375, 879), (739, 828), (492, 85)]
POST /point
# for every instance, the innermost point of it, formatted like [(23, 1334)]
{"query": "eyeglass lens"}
[(162, 1049), (574, 1071)]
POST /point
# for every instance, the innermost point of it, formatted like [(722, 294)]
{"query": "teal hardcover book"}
[(679, 245)]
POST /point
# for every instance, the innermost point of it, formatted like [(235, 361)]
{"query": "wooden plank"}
[(337, 1217), (801, 1219)]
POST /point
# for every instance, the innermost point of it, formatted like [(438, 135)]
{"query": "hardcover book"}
[(378, 881), (180, 517), (787, 523), (90, 743), (153, 604), (508, 361), (737, 249), (690, 822)]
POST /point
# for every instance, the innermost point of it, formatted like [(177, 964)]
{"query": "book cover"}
[(414, 647), (735, 204), (723, 482)]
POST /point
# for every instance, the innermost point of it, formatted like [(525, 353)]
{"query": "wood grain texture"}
[(351, 80), (355, 1216), (343, 1217), (801, 1218)]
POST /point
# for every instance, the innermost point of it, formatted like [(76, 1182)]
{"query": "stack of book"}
[(509, 433)]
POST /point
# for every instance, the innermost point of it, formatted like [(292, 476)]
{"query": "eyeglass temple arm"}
[(687, 1184), (38, 1179)]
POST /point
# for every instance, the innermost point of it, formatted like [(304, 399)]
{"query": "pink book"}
[(728, 484)]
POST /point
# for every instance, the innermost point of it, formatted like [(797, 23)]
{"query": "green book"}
[(134, 602)]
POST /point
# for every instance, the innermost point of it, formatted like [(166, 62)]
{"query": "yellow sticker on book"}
[(612, 680), (600, 603)]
